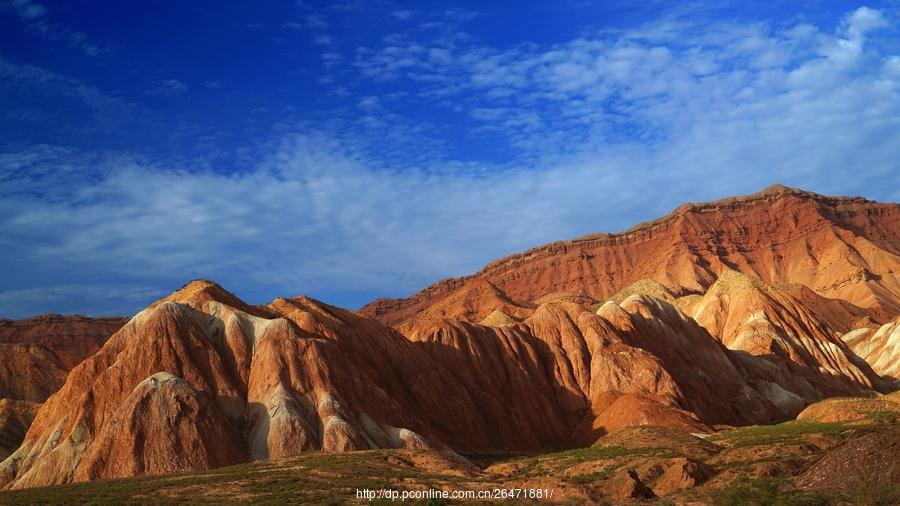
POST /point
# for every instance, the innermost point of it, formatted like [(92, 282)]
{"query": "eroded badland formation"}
[(743, 312)]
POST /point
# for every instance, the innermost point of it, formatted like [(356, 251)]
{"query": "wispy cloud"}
[(315, 25), (27, 10), (653, 85), (323, 40), (23, 86), (370, 104), (403, 14), (607, 131), (35, 16), (311, 217), (168, 87)]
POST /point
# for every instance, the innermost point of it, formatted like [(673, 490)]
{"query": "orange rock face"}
[(29, 372), (473, 302), (796, 353), (36, 354), (163, 426), (71, 338), (15, 417)]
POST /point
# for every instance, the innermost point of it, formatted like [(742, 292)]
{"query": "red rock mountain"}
[(839, 247), (201, 379), (36, 354), (69, 338), (729, 313)]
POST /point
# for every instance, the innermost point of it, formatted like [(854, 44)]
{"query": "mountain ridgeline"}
[(738, 312)]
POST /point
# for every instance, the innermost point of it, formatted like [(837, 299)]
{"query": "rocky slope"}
[(15, 417), (868, 460), (786, 339), (841, 248), (472, 302), (36, 354), (201, 379), (879, 347), (69, 338)]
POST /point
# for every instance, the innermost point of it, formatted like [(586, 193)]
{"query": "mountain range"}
[(744, 311)]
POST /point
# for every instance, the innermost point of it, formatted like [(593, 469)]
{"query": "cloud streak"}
[(650, 84), (36, 20), (168, 88), (31, 95), (608, 131)]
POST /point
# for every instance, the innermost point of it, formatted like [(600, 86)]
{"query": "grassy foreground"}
[(745, 466)]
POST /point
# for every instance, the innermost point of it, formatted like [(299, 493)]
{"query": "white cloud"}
[(657, 82), (316, 217), (403, 14), (847, 51), (370, 104), (312, 217), (892, 68), (609, 131), (323, 40), (863, 20), (168, 87), (440, 56)]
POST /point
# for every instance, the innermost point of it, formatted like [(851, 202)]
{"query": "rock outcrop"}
[(798, 355), (879, 347), (163, 426), (473, 302), (667, 475), (626, 486), (69, 338)]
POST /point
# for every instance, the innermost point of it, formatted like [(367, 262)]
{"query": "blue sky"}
[(351, 150)]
